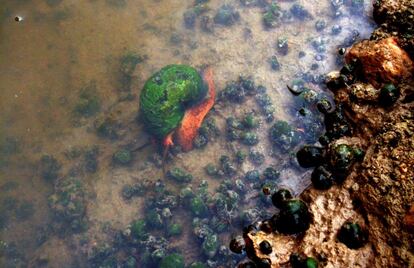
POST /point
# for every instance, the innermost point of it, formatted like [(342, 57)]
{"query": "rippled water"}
[(70, 77)]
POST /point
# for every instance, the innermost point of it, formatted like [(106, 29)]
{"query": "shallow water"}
[(57, 55)]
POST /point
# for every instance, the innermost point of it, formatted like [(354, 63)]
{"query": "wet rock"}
[(409, 218), (382, 61)]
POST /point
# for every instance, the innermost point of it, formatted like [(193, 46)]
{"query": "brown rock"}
[(382, 61), (409, 219)]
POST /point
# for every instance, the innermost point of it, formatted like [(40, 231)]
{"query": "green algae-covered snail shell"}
[(166, 95)]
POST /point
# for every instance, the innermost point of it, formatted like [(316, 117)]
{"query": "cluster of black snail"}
[(331, 162)]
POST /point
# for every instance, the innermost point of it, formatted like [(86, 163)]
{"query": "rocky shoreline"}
[(375, 91)]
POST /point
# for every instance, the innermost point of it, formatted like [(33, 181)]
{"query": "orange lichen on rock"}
[(194, 116), (382, 61)]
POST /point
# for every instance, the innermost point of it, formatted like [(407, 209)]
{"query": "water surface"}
[(62, 76)]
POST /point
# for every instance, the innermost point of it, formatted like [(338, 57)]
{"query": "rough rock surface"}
[(378, 192), (382, 61)]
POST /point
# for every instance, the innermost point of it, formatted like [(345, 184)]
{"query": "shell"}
[(166, 96)]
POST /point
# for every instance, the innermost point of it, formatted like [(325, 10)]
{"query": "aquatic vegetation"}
[(226, 166), (171, 99), (320, 25), (138, 230), (249, 138), (240, 157), (274, 63), (107, 128), (24, 211), (153, 219), (122, 157), (237, 91), (91, 159), (198, 207), (89, 103), (294, 217), (136, 189), (271, 174), (252, 175), (299, 12), (210, 245), (271, 17), (174, 229), (127, 68), (352, 235), (49, 168), (174, 260), (197, 265), (179, 175), (68, 203), (226, 15), (265, 103), (283, 136), (256, 157), (9, 186)]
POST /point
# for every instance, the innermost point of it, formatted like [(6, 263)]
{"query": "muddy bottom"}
[(81, 183)]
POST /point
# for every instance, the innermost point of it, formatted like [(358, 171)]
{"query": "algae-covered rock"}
[(166, 95)]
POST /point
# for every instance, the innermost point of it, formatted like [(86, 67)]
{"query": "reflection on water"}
[(78, 186)]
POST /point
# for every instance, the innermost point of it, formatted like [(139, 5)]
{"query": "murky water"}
[(70, 77)]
